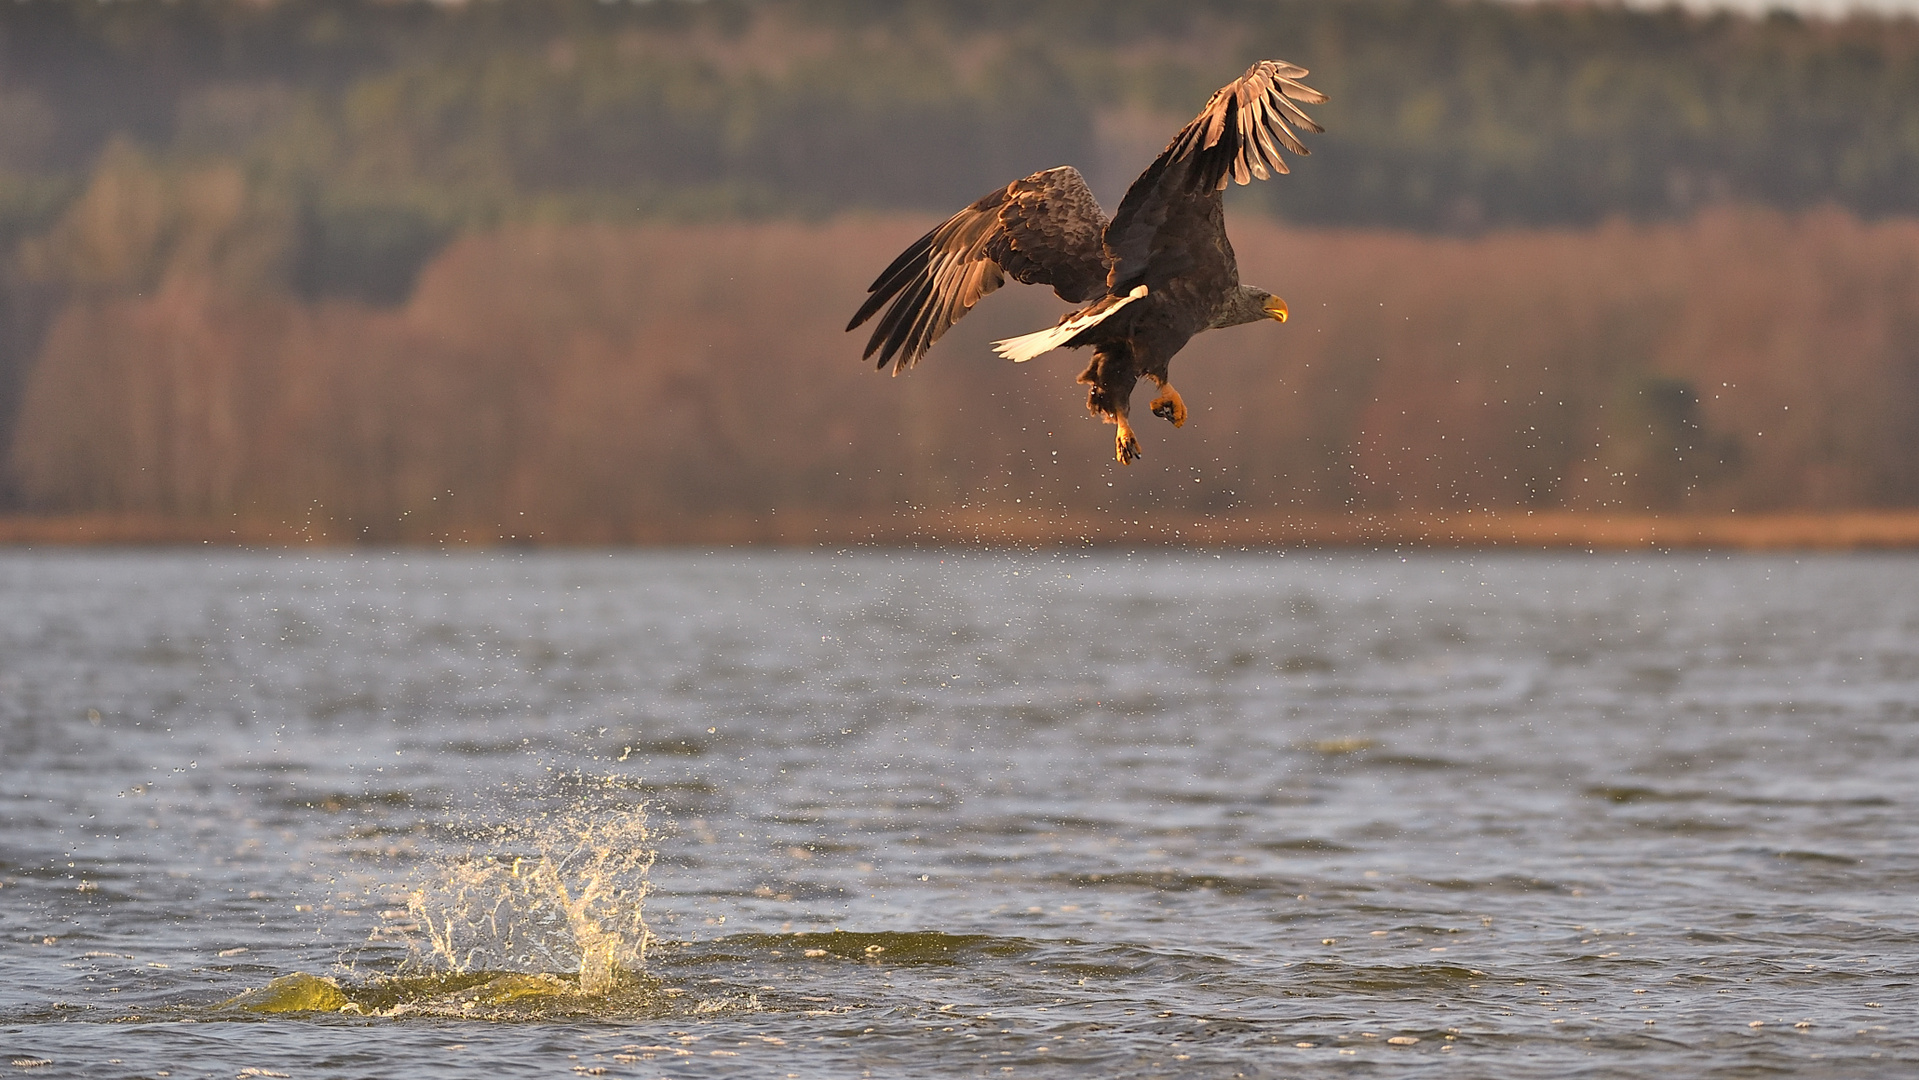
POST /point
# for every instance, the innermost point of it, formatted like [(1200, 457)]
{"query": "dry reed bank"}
[(593, 383)]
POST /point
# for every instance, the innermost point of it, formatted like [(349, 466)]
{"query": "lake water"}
[(957, 813)]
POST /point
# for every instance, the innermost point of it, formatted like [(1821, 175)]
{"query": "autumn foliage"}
[(564, 270), (602, 383)]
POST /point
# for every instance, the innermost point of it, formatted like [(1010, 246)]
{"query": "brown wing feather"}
[(1234, 134), (1232, 138), (1045, 229), (1050, 234)]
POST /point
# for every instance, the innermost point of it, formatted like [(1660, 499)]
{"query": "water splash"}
[(570, 898)]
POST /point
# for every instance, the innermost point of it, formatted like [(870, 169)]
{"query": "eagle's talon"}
[(1125, 446), (1170, 406)]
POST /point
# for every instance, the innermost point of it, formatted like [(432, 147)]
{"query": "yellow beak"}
[(1276, 309)]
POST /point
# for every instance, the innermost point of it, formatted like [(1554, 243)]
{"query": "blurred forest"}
[(577, 270)]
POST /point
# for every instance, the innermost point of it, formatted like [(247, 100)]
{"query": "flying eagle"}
[(1156, 274)]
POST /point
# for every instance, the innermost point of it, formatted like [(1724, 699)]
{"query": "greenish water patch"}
[(874, 948), (484, 995)]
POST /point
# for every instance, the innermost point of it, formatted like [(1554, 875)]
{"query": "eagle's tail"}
[(1026, 346)]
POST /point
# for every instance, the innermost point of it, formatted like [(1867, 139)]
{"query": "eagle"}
[(1159, 272)]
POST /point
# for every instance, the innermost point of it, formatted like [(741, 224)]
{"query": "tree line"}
[(313, 158), (1444, 113), (592, 382)]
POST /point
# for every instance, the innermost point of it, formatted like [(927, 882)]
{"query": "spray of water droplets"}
[(567, 894)]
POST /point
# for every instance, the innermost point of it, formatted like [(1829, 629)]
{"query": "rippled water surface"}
[(962, 813)]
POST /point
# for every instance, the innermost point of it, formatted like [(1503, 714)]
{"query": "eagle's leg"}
[(1125, 446), (1111, 374), (1168, 405)]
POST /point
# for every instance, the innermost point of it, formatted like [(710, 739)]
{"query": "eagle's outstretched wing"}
[(1043, 230), (1237, 136)]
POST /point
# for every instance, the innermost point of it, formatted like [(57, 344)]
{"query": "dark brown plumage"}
[(1159, 272)]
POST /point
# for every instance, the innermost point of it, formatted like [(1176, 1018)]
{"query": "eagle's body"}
[(1156, 274)]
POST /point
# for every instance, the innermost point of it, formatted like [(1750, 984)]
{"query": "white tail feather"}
[(1026, 346)]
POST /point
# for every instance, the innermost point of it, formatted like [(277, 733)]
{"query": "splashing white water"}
[(572, 899)]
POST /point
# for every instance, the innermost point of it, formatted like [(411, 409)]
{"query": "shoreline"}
[(1849, 530)]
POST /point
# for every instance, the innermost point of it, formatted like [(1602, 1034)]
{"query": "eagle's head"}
[(1246, 304)]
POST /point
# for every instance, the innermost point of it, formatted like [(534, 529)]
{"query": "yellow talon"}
[(1170, 405), (1125, 447)]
